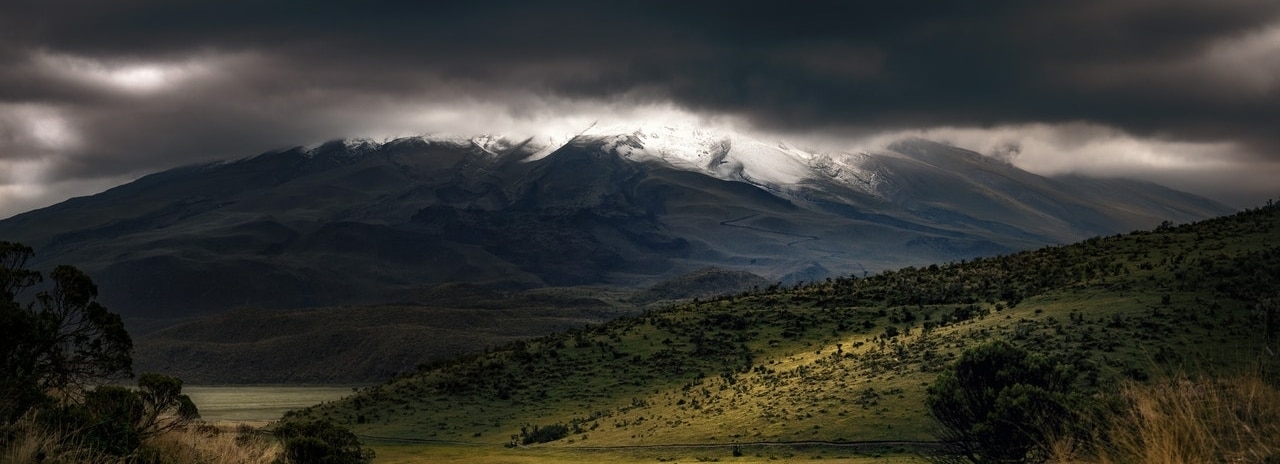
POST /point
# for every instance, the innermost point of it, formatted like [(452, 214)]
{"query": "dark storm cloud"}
[(237, 77)]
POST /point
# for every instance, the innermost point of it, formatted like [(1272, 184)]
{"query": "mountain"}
[(362, 344), (358, 222)]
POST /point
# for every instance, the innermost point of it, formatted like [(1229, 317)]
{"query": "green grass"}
[(847, 360), (398, 453)]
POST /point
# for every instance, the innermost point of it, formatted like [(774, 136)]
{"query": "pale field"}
[(257, 404)]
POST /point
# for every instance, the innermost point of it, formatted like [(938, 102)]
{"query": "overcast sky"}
[(1183, 92)]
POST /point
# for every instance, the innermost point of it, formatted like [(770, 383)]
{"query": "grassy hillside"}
[(848, 359)]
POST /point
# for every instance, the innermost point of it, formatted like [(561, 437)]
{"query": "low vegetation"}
[(1001, 403), (851, 360), (62, 350), (1183, 418), (1063, 354)]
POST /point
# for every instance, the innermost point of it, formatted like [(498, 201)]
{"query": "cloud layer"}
[(1184, 92)]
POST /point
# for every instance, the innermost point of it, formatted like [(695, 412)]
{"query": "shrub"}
[(321, 442), (116, 420), (1002, 404), (113, 413), (546, 434)]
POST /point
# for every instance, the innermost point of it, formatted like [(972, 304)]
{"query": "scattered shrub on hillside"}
[(546, 434)]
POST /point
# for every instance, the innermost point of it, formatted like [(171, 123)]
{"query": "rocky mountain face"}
[(362, 222)]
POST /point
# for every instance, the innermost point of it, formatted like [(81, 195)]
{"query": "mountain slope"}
[(364, 344), (362, 222), (849, 360)]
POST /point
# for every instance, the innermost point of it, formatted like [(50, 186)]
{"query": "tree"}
[(80, 341), (164, 407), (60, 341), (14, 275), (1002, 404), (17, 357)]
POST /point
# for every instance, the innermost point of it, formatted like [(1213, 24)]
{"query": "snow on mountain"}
[(356, 221), (859, 171), (493, 145), (722, 154), (777, 167), (733, 156)]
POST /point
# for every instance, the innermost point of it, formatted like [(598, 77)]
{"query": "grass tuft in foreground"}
[(27, 442), (1188, 419)]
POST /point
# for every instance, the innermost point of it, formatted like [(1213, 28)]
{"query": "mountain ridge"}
[(360, 222)]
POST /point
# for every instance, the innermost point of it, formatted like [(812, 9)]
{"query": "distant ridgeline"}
[(848, 359), (353, 222)]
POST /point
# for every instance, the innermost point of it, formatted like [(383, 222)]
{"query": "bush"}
[(546, 434), (321, 442), (164, 407), (115, 420), (1002, 404), (113, 413), (97, 426)]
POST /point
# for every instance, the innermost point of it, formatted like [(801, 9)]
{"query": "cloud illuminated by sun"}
[(517, 116), (123, 75), (36, 128)]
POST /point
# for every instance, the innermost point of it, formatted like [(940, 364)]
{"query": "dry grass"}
[(194, 445), (31, 444), (208, 445), (1189, 420)]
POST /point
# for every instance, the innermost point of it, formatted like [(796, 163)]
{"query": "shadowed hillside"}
[(365, 344)]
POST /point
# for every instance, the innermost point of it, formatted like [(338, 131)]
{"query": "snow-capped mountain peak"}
[(724, 154), (729, 155)]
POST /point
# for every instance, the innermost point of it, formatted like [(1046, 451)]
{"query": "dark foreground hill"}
[(849, 359), (372, 223)]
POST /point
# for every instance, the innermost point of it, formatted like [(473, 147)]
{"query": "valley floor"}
[(257, 404)]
